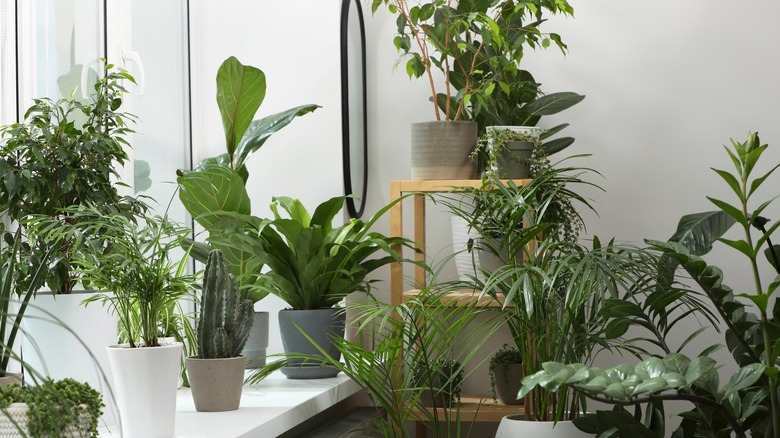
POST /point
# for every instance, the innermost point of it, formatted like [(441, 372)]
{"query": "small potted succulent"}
[(443, 379), (63, 408), (217, 372), (506, 375)]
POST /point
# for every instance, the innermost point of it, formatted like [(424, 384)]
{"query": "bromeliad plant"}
[(215, 192), (313, 265), (747, 405), (225, 318)]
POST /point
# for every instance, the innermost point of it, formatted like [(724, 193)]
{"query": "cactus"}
[(225, 319)]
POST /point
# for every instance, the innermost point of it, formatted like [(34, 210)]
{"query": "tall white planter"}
[(513, 426), (145, 381), (53, 350)]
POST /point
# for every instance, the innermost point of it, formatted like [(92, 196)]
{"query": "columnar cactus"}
[(225, 319)]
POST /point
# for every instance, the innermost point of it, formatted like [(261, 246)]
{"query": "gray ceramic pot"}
[(256, 345), (440, 150), (514, 162), (509, 379), (321, 325), (216, 383)]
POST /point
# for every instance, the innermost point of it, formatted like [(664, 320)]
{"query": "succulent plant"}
[(225, 319)]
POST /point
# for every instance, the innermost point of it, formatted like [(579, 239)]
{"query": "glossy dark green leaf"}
[(699, 231), (553, 103)]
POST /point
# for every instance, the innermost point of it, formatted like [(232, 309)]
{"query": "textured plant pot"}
[(145, 382), (216, 383), (322, 325), (10, 379), (257, 344), (509, 379), (14, 423), (440, 150), (513, 426), (53, 350), (515, 163)]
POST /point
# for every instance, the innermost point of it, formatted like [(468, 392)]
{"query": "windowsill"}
[(270, 408)]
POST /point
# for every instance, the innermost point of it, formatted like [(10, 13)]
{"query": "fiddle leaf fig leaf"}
[(240, 91)]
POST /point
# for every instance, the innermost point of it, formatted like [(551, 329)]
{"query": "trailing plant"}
[(312, 263), (747, 405), (215, 191), (442, 377), (504, 357), (391, 340), (133, 266), (63, 154), (476, 45), (493, 145), (56, 407), (225, 318)]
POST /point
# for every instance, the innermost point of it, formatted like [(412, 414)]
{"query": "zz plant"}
[(225, 318), (747, 405)]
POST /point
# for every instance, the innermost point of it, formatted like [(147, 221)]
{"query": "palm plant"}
[(748, 402)]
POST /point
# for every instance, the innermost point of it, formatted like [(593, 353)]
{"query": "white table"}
[(268, 409)]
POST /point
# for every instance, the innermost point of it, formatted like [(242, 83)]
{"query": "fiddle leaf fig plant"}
[(215, 192), (747, 405)]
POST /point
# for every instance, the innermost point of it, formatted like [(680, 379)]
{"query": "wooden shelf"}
[(478, 409), (463, 297)]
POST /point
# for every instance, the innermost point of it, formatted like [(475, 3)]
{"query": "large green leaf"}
[(240, 91), (259, 131), (699, 231), (215, 187), (553, 103)]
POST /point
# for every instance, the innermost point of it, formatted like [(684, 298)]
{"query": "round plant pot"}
[(509, 379), (513, 426), (216, 383), (515, 162), (322, 325), (15, 423), (145, 382), (257, 344), (440, 150)]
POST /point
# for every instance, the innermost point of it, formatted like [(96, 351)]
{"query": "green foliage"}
[(442, 377), (215, 191), (225, 319), (504, 357), (132, 266), (64, 154), (56, 407), (391, 340), (312, 264), (748, 402), (477, 45), (493, 145)]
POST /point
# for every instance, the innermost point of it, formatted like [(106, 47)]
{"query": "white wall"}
[(296, 44)]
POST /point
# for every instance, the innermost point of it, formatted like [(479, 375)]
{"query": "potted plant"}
[(63, 408), (217, 372), (472, 44), (506, 153), (134, 270), (216, 189), (747, 405), (442, 379), (506, 375)]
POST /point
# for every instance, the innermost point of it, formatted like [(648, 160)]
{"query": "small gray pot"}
[(514, 163), (216, 383), (322, 325), (509, 379), (256, 345), (440, 150)]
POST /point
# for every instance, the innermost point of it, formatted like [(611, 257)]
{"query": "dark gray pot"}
[(255, 347), (514, 162), (509, 379), (440, 150), (322, 325)]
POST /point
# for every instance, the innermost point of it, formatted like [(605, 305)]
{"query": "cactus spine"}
[(225, 319)]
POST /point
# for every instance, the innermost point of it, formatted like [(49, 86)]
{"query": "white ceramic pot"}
[(53, 350), (145, 382), (513, 426)]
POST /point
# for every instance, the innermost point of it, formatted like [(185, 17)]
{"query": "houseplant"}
[(217, 372), (476, 46), (135, 263), (748, 402), (64, 408), (312, 266), (506, 374), (506, 153), (442, 379), (216, 189)]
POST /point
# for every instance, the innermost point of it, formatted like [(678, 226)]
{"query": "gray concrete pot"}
[(515, 163), (255, 347), (322, 325), (440, 150), (216, 383), (509, 379)]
